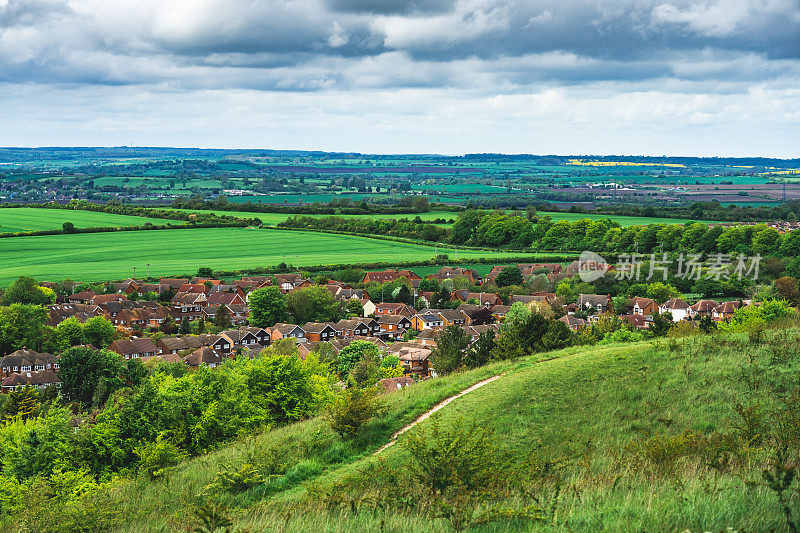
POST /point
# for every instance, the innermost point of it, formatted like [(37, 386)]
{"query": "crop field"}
[(275, 218), (32, 219), (102, 256)]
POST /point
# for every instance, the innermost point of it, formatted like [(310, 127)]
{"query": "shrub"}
[(159, 458), (352, 409)]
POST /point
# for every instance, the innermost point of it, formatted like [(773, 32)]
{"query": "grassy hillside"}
[(668, 436), (33, 219), (100, 256)]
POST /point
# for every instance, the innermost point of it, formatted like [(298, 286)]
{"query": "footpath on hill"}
[(440, 405)]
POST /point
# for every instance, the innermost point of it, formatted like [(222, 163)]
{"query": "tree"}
[(90, 376), (68, 227), (510, 275), (451, 345), (482, 350), (786, 288), (354, 307), (481, 316), (22, 325), (620, 305), (70, 332), (205, 272), (98, 331), (222, 318), (313, 304), (26, 290), (351, 355), (186, 327), (267, 307), (661, 292), (441, 299)]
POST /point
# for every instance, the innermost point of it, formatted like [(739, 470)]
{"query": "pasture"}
[(104, 256), (32, 219)]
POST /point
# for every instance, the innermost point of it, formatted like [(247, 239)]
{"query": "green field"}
[(33, 219), (275, 218), (102, 256)]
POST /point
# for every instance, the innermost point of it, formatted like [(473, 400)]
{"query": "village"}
[(405, 331)]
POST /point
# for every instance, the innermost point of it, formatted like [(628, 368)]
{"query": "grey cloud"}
[(386, 7)]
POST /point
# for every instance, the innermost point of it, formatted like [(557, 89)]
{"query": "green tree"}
[(222, 318), (26, 290), (68, 227), (85, 371), (354, 307), (510, 275), (98, 331), (352, 354), (481, 351), (186, 327), (205, 272), (71, 332), (441, 299), (451, 345), (661, 292), (267, 307), (313, 304), (22, 325)]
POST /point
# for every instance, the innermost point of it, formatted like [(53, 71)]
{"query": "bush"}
[(159, 458), (352, 410)]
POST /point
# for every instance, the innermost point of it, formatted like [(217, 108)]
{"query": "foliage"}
[(351, 355), (267, 307), (90, 376), (352, 409), (158, 458), (22, 325), (451, 346), (98, 331), (26, 290), (482, 350), (313, 304)]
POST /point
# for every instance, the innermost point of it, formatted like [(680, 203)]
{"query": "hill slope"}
[(667, 436)]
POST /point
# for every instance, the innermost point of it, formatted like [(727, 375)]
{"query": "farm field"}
[(275, 218), (102, 256), (33, 219)]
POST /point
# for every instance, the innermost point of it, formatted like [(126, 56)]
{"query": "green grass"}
[(102, 256), (32, 219), (581, 406)]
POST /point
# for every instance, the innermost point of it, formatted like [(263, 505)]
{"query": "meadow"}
[(33, 219), (611, 438), (102, 256)]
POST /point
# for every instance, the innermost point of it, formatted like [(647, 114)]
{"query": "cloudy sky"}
[(674, 77)]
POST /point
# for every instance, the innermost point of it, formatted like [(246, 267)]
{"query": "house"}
[(173, 345), (129, 286), (385, 276), (39, 379), (385, 308), (423, 321), (600, 302), (476, 331), (171, 283), (454, 272), (187, 305), (528, 269), (319, 331), (240, 339), (193, 287), (574, 323), (204, 355), (413, 357), (354, 327), (388, 385), (703, 308), (290, 282), (499, 312), (101, 299), (369, 307), (25, 360), (225, 298), (643, 306), (134, 347), (725, 310), (450, 317), (678, 307), (486, 299), (637, 321), (287, 331), (262, 335), (83, 297), (392, 326)]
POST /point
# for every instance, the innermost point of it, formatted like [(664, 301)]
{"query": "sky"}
[(649, 77)]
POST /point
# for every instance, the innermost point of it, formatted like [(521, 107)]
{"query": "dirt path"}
[(440, 405)]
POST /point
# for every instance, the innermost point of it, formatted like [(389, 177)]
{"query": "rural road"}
[(440, 405)]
